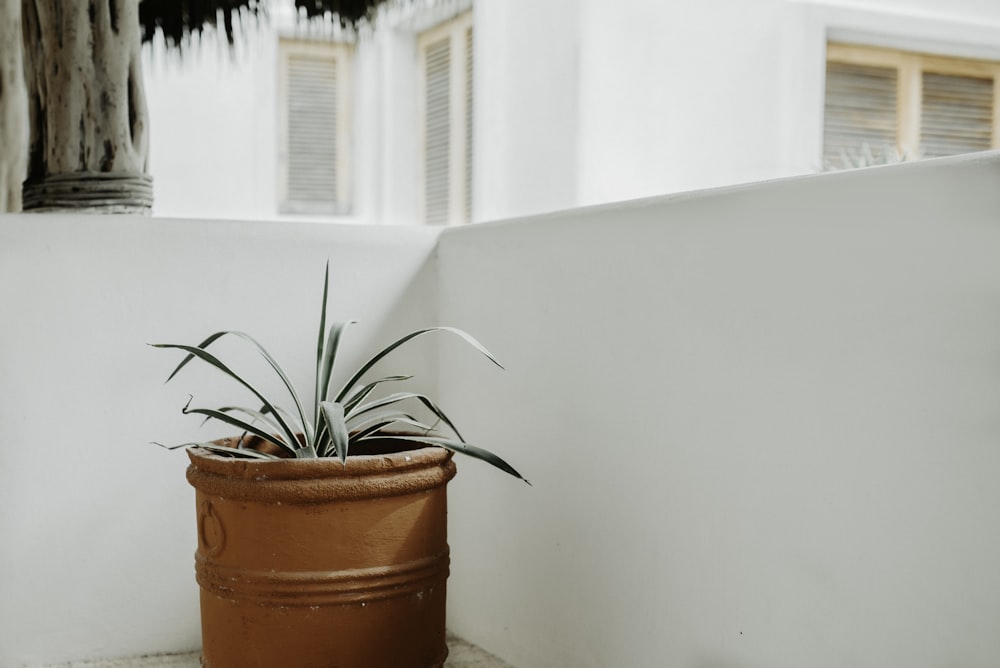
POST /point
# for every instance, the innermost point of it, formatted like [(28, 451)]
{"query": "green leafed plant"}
[(337, 420), (867, 155)]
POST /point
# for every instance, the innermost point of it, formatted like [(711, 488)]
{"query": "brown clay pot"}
[(311, 564)]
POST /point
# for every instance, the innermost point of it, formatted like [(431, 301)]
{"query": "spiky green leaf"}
[(333, 415), (236, 452), (376, 428), (403, 396), (466, 449), (266, 410), (330, 357), (468, 338), (356, 423), (303, 423), (241, 424), (320, 339), (361, 394), (213, 361), (257, 416)]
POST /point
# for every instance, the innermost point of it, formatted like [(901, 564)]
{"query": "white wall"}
[(576, 102), (677, 96), (527, 106), (213, 139), (97, 525), (761, 424)]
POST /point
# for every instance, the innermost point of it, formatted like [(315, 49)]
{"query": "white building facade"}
[(455, 111)]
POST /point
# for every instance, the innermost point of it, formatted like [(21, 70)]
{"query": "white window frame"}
[(459, 172), (341, 55)]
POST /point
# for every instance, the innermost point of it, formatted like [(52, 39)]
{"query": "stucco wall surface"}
[(577, 102), (761, 423), (97, 526)]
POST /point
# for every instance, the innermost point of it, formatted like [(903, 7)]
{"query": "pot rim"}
[(320, 480), (320, 467)]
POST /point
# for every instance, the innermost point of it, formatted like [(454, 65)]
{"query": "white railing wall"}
[(96, 525), (761, 422)]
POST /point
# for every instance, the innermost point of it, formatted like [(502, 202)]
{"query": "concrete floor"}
[(460, 655)]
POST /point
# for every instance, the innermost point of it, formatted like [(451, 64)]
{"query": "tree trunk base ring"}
[(89, 192)]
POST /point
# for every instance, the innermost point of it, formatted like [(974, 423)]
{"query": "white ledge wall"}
[(761, 421), (762, 425), (97, 526)]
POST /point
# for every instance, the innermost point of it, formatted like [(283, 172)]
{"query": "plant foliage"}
[(339, 418), (179, 20), (867, 155)]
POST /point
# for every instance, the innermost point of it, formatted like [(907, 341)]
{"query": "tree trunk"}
[(88, 148), (13, 108)]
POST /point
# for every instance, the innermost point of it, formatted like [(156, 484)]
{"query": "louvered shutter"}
[(312, 133), (860, 109), (956, 114), (437, 132), (468, 125)]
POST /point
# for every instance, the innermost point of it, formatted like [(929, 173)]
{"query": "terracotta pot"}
[(310, 564)]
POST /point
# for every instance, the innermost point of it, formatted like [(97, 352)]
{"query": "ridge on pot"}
[(355, 556)]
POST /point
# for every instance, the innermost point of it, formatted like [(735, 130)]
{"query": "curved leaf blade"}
[(241, 424), (304, 423), (250, 413), (325, 369), (466, 449), (266, 410), (375, 428), (333, 414), (187, 358), (236, 452), (403, 396), (363, 393), (210, 359), (354, 424), (319, 344), (468, 338)]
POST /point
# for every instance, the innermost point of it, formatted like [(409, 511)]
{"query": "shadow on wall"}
[(415, 308)]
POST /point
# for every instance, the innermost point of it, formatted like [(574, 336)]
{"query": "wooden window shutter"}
[(445, 113), (924, 105), (860, 109), (956, 114), (437, 132), (468, 125), (312, 132)]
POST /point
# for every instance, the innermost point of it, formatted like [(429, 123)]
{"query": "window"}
[(884, 102), (445, 104), (313, 127)]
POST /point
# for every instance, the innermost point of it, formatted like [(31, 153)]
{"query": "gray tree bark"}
[(13, 108), (89, 144)]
